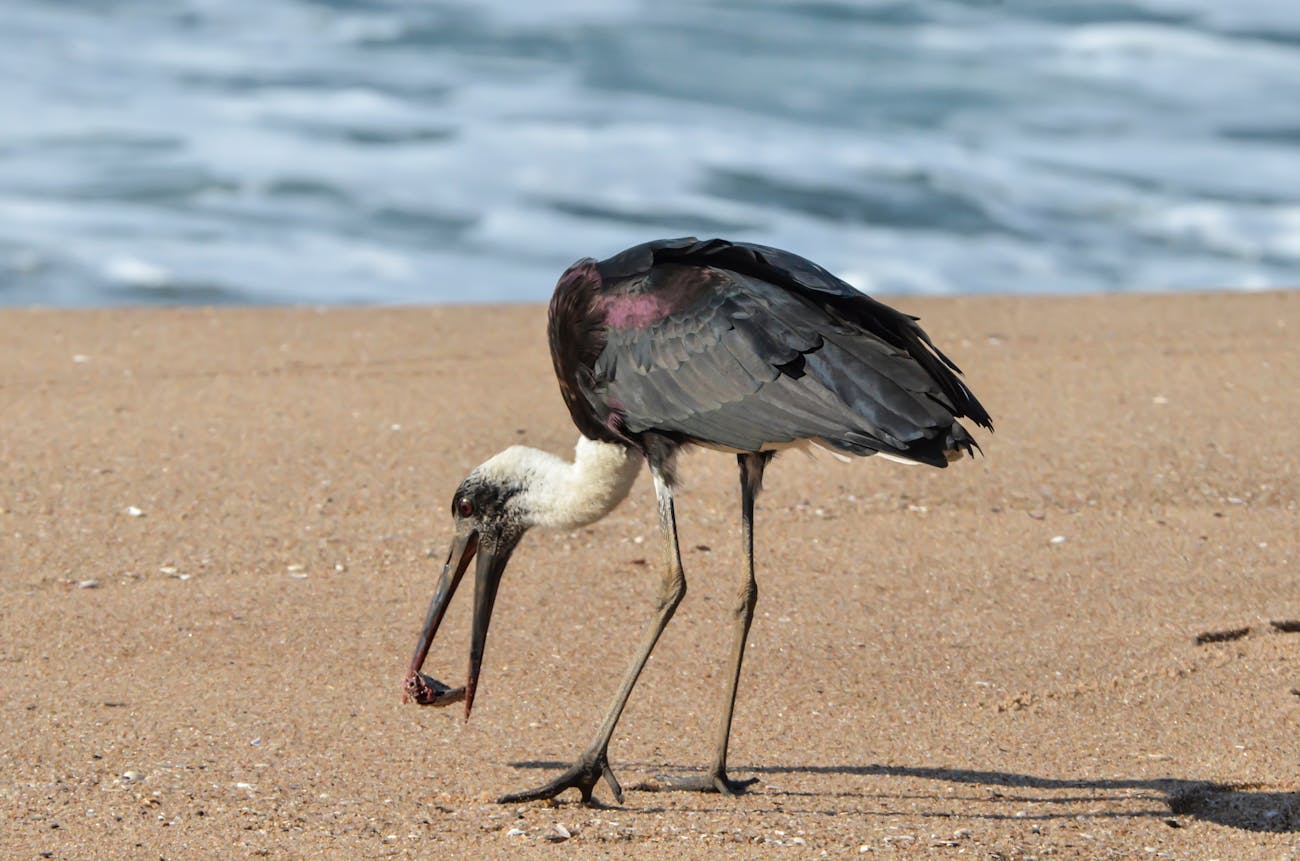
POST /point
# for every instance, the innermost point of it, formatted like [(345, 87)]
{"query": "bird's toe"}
[(583, 776), (712, 781)]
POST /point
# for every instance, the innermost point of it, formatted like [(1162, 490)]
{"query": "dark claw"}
[(613, 783), (583, 776)]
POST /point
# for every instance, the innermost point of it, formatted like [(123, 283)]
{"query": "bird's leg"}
[(716, 780), (751, 482), (593, 763)]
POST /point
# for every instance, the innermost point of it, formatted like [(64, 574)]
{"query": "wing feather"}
[(749, 347)]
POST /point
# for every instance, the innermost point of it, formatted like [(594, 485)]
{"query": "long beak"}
[(487, 577), (462, 551)]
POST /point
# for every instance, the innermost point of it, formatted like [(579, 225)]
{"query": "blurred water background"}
[(355, 151)]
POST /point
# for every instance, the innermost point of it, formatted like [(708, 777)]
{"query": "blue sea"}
[(419, 151)]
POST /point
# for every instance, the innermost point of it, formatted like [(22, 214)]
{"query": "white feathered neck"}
[(562, 495)]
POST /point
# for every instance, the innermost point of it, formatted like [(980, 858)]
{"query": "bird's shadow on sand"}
[(1249, 807)]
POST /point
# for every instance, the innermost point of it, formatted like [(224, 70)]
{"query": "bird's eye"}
[(464, 507)]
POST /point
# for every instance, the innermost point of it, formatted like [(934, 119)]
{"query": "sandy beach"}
[(219, 531)]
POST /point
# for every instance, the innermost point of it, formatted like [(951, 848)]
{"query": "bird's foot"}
[(715, 780), (583, 776)]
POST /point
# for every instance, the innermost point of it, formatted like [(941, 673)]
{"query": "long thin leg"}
[(593, 763), (751, 482), (716, 780)]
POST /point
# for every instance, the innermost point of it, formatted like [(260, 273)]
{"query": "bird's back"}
[(749, 348)]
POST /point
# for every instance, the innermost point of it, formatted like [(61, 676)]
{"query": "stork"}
[(680, 342)]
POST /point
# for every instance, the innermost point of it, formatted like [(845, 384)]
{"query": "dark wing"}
[(748, 347), (796, 274), (719, 356)]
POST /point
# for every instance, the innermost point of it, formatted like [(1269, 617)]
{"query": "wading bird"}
[(679, 342)]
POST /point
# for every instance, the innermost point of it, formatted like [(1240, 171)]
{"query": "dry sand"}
[(219, 531)]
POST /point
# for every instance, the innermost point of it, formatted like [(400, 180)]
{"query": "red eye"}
[(464, 507)]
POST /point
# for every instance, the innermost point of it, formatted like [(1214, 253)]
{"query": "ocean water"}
[(419, 151)]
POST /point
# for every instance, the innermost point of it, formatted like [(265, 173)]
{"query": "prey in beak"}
[(489, 526)]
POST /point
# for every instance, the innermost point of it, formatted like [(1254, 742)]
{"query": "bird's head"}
[(490, 514), (493, 507)]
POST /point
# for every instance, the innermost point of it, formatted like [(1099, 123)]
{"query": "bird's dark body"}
[(748, 348)]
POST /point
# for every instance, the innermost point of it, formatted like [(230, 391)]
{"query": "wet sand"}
[(219, 531)]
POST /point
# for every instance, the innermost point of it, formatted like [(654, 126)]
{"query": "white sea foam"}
[(136, 272)]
